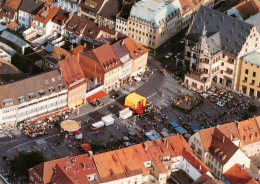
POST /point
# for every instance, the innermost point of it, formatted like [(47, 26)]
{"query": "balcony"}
[(229, 72)]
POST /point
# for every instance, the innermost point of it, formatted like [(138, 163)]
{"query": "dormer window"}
[(46, 82), (51, 89), (21, 99), (59, 77), (31, 95), (61, 86), (8, 102), (41, 92)]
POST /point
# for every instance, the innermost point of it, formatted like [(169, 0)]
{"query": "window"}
[(188, 54), (246, 71), (21, 99), (31, 95), (222, 64), (254, 74)]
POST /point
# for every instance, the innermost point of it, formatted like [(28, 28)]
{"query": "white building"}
[(4, 55), (42, 23), (25, 99), (27, 11)]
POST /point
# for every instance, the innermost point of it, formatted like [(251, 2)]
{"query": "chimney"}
[(90, 154), (85, 45), (71, 48), (223, 139), (72, 161), (66, 168), (200, 167), (218, 126), (231, 137)]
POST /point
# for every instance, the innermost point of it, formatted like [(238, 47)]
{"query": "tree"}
[(95, 145), (26, 160), (252, 108)]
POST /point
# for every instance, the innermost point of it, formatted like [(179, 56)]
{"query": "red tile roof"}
[(135, 49), (249, 131), (229, 130), (248, 8), (68, 170), (106, 57), (222, 148), (111, 164), (60, 53), (45, 14), (237, 174), (79, 48), (10, 8), (71, 70), (206, 179)]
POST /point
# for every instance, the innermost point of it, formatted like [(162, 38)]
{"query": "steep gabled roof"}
[(232, 32), (135, 49), (46, 13), (237, 174), (31, 6), (222, 148), (248, 8)]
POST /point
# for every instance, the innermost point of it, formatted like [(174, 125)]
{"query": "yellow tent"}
[(133, 99)]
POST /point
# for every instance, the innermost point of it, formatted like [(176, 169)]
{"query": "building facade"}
[(75, 80), (69, 5), (214, 58), (248, 81), (23, 99), (153, 22), (27, 11), (42, 23)]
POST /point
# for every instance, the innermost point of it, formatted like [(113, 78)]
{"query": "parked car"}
[(167, 56)]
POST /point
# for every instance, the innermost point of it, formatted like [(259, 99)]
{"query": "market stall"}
[(125, 113), (136, 102), (108, 120), (70, 126)]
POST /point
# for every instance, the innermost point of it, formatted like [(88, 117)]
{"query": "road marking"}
[(152, 95), (30, 142)]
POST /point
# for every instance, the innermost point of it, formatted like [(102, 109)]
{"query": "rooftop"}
[(31, 6), (46, 13), (247, 8), (76, 24), (252, 57), (223, 32), (110, 9), (92, 5), (70, 70), (237, 174), (10, 7), (154, 12), (254, 20), (26, 90), (61, 17)]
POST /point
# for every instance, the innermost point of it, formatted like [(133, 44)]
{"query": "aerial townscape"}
[(129, 92)]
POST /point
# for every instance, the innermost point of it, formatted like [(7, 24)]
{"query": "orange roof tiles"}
[(71, 70), (68, 170), (222, 148), (187, 6), (248, 8), (60, 53), (237, 174), (111, 164), (79, 48), (45, 14), (121, 163), (135, 49), (249, 131), (106, 57), (12, 25), (229, 130)]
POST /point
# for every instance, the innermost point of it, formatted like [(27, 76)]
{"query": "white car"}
[(167, 56)]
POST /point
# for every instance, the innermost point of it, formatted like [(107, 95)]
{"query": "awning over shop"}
[(96, 96)]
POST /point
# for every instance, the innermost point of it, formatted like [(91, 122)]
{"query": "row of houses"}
[(150, 22), (66, 85), (222, 50), (230, 147), (150, 162)]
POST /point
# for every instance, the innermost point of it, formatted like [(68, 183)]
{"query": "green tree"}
[(95, 145), (26, 160), (252, 108)]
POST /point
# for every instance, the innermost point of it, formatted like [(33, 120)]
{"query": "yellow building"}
[(153, 22), (249, 75)]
